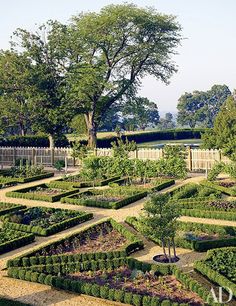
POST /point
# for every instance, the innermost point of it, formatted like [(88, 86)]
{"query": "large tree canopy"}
[(223, 135), (201, 107), (111, 51)]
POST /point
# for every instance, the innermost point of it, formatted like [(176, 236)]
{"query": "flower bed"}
[(220, 187), (150, 184), (11, 239), (6, 208), (219, 266), (42, 192), (104, 240), (79, 182), (196, 236), (124, 280), (44, 221), (114, 198)]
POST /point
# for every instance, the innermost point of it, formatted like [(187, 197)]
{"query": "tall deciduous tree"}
[(112, 51), (50, 111), (17, 90), (223, 135), (201, 107)]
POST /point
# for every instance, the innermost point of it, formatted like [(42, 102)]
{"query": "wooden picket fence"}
[(196, 159)]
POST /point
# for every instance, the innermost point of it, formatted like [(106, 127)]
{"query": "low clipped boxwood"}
[(30, 258), (17, 241), (215, 186), (6, 208), (63, 182), (14, 180), (78, 217), (73, 199), (56, 276), (211, 214), (159, 186), (25, 193)]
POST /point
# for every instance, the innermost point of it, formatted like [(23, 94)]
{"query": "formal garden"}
[(91, 213)]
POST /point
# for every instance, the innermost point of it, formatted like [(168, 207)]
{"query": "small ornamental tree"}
[(159, 221)]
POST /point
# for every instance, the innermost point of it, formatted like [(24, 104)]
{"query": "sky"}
[(206, 56)]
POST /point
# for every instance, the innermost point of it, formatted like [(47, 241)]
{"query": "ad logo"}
[(218, 297)]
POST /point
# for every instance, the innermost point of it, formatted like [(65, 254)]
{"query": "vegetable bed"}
[(114, 198), (42, 192), (104, 240), (6, 208), (11, 239), (44, 221), (124, 280)]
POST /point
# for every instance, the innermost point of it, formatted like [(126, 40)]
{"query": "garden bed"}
[(11, 239), (220, 266), (124, 280), (196, 236), (9, 177), (77, 181), (44, 221), (114, 198), (226, 186), (42, 192), (104, 240), (6, 208), (150, 184)]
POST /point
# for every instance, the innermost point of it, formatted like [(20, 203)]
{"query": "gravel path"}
[(37, 294)]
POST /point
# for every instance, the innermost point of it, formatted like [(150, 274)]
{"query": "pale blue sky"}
[(206, 57)]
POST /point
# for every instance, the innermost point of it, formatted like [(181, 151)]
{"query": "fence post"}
[(33, 156), (95, 152), (190, 167), (66, 165), (52, 156), (136, 153), (14, 156)]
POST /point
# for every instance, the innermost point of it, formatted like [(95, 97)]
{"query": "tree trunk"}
[(169, 252), (92, 130), (163, 247), (22, 129), (51, 142), (174, 249)]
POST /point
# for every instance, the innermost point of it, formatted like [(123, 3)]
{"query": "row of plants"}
[(6, 208), (219, 266), (113, 198), (215, 186), (78, 181), (215, 205), (151, 184), (44, 221), (23, 173), (209, 214), (42, 192), (195, 236), (11, 239), (123, 280), (193, 192), (97, 241)]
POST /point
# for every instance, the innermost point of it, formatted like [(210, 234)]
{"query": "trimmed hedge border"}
[(158, 187), (16, 243), (101, 204), (29, 258), (63, 183), (34, 274), (214, 276), (222, 189), (22, 193), (14, 180), (55, 228), (210, 214), (12, 207), (197, 245)]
